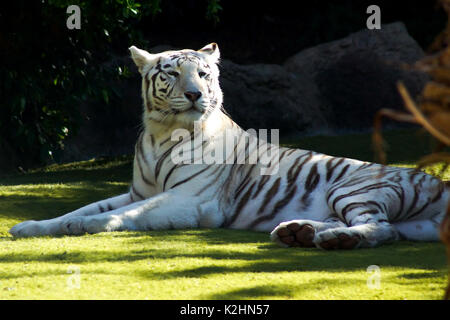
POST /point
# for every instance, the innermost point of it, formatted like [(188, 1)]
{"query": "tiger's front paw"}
[(29, 228), (294, 234)]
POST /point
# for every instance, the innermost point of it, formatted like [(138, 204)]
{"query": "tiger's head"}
[(179, 87)]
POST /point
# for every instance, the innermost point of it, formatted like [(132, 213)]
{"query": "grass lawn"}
[(198, 264)]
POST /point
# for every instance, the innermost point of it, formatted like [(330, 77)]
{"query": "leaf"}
[(105, 96), (22, 104)]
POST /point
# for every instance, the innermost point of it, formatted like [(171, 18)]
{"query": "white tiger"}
[(310, 199)]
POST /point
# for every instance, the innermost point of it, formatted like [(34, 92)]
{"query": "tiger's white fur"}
[(311, 199)]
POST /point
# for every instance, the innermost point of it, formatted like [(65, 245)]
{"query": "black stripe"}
[(171, 90), (154, 84), (439, 193), (145, 93), (226, 184), (269, 195), (247, 150), (343, 171), (292, 178), (366, 165), (261, 185), (271, 166), (240, 205), (189, 178), (402, 203), (290, 152), (351, 207), (234, 154), (416, 195), (202, 145), (283, 202), (163, 142), (369, 211), (283, 154), (163, 157), (139, 154), (312, 181), (166, 178), (419, 211), (213, 181), (330, 168), (251, 152), (244, 182), (364, 189), (355, 205), (401, 196), (413, 174), (277, 207), (291, 169), (152, 140), (133, 189)]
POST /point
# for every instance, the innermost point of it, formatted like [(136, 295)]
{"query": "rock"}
[(391, 43), (357, 75), (266, 96)]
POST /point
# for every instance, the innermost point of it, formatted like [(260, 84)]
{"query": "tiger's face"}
[(179, 86)]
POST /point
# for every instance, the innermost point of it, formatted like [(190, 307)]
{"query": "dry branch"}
[(432, 112)]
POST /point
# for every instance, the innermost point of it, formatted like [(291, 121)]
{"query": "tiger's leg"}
[(419, 230), (366, 226), (52, 226), (161, 212), (359, 236)]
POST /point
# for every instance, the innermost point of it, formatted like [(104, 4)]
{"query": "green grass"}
[(196, 264)]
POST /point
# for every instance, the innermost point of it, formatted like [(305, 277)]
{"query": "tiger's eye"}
[(202, 74)]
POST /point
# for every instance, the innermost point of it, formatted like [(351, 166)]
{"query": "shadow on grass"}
[(98, 170), (257, 256), (284, 291), (421, 275)]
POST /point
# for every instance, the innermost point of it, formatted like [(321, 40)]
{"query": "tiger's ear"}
[(211, 51), (143, 59)]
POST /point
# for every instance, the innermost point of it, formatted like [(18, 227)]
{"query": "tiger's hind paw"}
[(294, 234), (333, 239)]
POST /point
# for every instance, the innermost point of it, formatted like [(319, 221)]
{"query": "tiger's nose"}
[(193, 95)]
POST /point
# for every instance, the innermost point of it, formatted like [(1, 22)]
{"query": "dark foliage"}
[(48, 70)]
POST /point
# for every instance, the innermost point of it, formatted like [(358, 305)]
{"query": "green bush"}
[(50, 70)]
